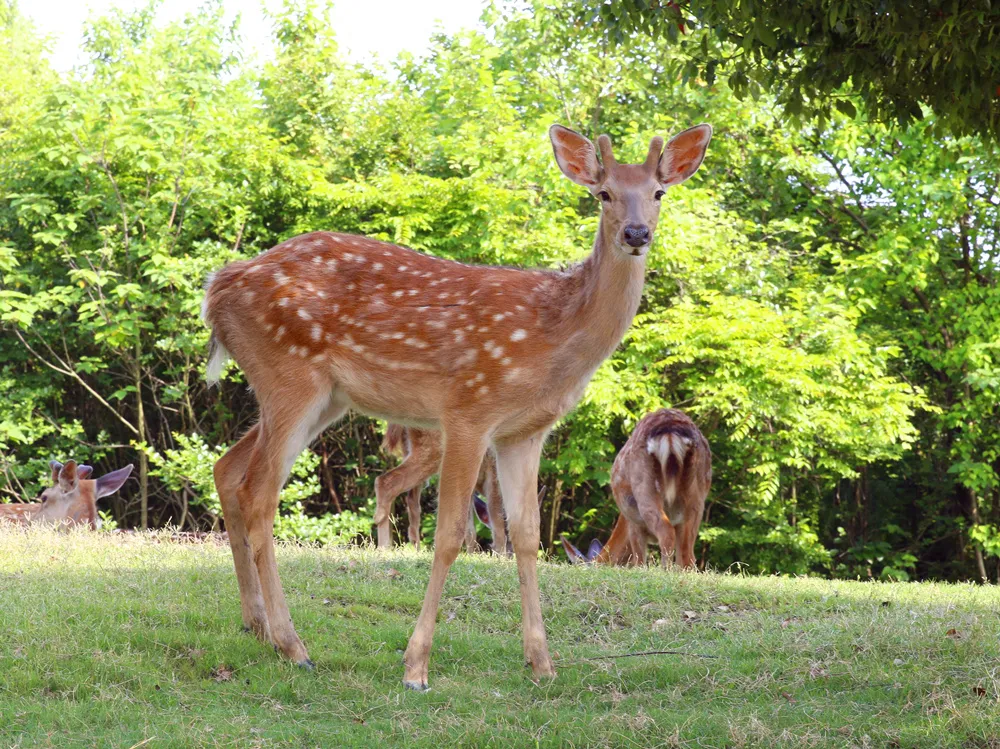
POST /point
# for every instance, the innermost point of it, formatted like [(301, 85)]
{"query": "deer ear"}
[(109, 483), (595, 549), (67, 477), (572, 552), (55, 466), (576, 156), (482, 511), (683, 155), (83, 472)]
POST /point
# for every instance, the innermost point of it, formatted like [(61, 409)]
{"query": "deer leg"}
[(463, 454), (282, 436), (471, 541), (687, 534), (657, 524), (409, 475), (494, 504), (413, 513), (229, 471), (517, 470)]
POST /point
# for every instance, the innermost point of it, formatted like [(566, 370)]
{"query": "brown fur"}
[(660, 495), (70, 501), (421, 453), (492, 357)]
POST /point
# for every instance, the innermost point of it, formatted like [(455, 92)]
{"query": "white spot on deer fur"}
[(281, 332), (483, 329), (304, 315), (317, 259), (415, 342), (443, 295), (349, 255), (470, 383), (398, 336), (332, 263), (506, 361), (303, 352), (412, 292), (283, 302), (268, 328), (351, 286), (480, 376), (459, 336), (497, 352), (280, 278), (254, 268), (483, 390), (293, 350), (319, 357), (401, 268), (512, 374), (377, 266), (398, 294), (317, 332), (519, 335), (519, 307), (436, 324)]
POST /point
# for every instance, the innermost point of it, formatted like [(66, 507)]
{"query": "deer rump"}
[(660, 480), (676, 450)]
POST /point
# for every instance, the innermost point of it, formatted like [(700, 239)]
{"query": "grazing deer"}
[(660, 480), (492, 357), (421, 451), (71, 500)]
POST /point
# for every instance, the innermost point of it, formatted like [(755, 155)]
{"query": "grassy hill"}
[(126, 641)]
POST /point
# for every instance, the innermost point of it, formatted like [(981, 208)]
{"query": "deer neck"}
[(601, 298)]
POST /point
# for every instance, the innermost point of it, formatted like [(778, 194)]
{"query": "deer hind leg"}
[(657, 525), (687, 534), (282, 436), (229, 471), (413, 514), (463, 453), (517, 470)]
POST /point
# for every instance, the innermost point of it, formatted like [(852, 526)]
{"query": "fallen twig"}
[(646, 652)]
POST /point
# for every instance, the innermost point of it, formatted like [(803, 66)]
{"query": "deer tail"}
[(217, 354)]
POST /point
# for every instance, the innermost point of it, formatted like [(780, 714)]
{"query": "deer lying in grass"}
[(71, 500), (660, 480), (421, 452), (492, 357)]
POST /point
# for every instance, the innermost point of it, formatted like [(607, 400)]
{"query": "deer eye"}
[(603, 195), (658, 194)]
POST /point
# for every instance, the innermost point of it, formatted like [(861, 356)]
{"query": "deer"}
[(70, 501), (660, 480), (491, 357), (421, 450)]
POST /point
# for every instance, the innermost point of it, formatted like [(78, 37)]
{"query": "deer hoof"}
[(416, 686), (307, 664)]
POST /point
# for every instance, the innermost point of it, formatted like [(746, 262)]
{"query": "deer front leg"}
[(229, 471), (409, 476), (463, 452), (413, 514), (517, 470), (494, 505)]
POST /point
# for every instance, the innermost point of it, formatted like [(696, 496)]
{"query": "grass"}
[(120, 641)]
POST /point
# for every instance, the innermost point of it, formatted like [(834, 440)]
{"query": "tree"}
[(895, 55)]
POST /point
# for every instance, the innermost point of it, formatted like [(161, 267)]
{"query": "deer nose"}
[(636, 236)]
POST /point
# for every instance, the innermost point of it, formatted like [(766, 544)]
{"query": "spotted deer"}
[(491, 357), (660, 480), (421, 452), (71, 500)]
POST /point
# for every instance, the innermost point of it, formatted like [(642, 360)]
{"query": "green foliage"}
[(823, 300), (897, 56)]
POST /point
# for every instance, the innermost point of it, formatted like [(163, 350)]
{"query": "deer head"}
[(73, 496), (629, 193)]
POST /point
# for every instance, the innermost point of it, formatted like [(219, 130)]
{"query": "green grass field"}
[(125, 641)]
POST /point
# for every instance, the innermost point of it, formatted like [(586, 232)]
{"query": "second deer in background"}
[(660, 480), (421, 453)]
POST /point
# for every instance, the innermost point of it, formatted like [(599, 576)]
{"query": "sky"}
[(364, 28)]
